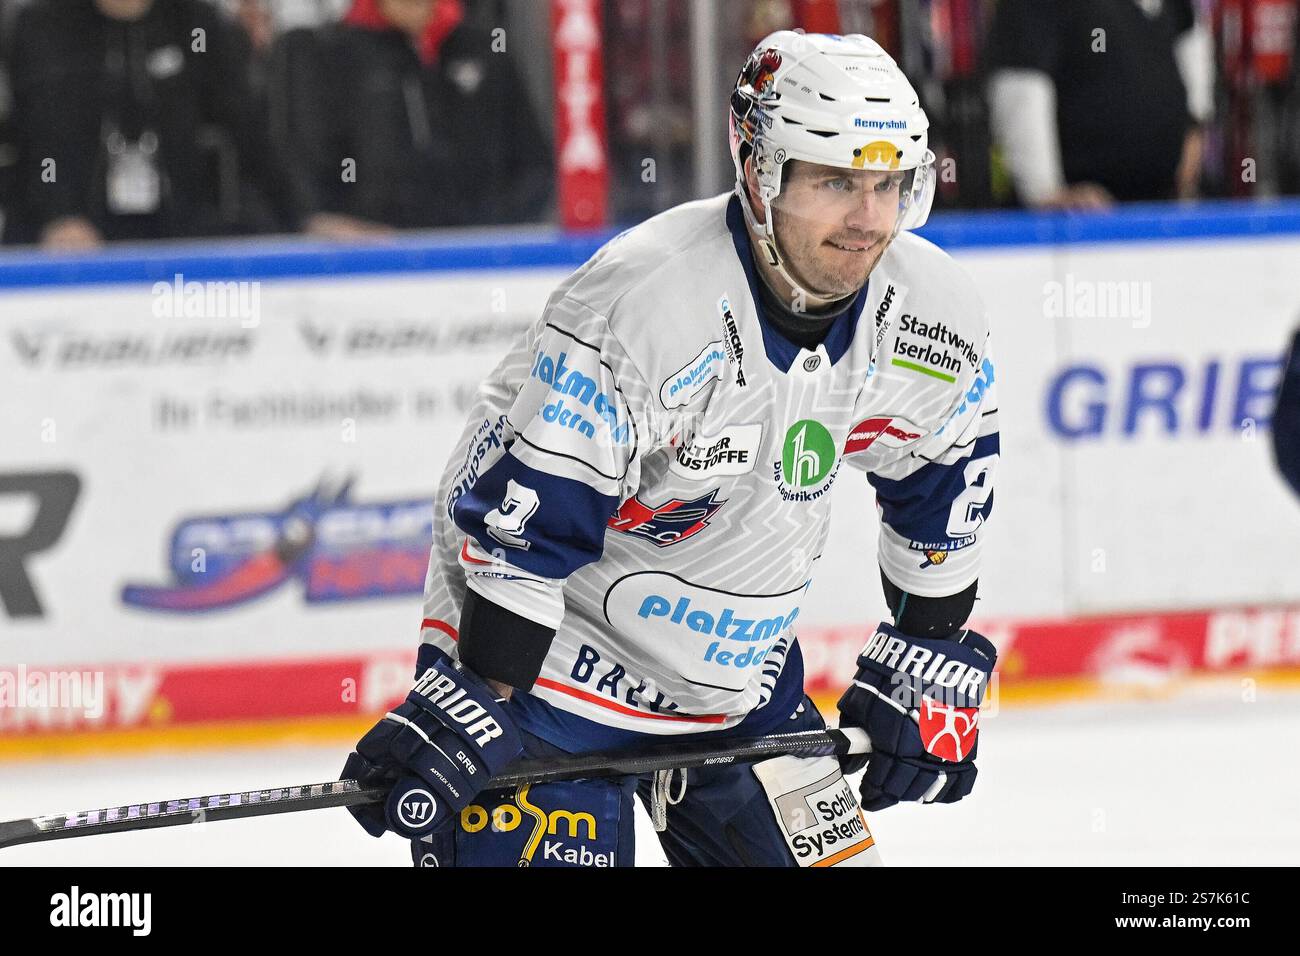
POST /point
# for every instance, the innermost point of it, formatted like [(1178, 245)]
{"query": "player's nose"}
[(872, 213)]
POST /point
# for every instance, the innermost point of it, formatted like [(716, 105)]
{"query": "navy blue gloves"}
[(436, 751), (918, 699)]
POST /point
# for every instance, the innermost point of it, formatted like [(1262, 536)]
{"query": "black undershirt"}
[(804, 329)]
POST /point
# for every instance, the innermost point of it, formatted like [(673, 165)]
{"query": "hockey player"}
[(630, 523)]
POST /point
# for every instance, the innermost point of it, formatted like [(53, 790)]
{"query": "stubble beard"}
[(809, 264)]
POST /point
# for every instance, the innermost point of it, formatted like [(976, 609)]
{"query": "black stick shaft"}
[(346, 793)]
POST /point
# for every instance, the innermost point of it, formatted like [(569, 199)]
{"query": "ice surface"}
[(1198, 779)]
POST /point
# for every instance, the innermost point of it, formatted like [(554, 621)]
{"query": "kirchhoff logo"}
[(735, 348), (886, 301), (75, 908)]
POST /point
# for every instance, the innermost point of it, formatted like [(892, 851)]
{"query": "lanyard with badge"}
[(133, 172)]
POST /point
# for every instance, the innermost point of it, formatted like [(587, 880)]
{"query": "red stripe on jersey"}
[(440, 626), (465, 555), (628, 711)]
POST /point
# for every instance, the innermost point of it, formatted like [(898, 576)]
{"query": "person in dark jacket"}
[(411, 117), (1097, 101), (134, 120)]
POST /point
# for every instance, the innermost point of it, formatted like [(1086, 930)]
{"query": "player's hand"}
[(921, 711), (436, 751), (1081, 197), (71, 234)]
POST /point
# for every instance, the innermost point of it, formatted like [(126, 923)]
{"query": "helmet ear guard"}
[(921, 196)]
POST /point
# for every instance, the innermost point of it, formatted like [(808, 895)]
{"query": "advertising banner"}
[(218, 494)]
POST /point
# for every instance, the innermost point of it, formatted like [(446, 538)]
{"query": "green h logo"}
[(808, 454)]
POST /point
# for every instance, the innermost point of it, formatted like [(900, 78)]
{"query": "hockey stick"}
[(348, 793)]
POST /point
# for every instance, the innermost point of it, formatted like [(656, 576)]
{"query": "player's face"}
[(833, 224)]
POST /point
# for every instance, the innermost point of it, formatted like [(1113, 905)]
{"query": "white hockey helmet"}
[(832, 100)]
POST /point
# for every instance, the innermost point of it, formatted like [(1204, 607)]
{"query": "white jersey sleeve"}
[(539, 489), (933, 504), (935, 493)]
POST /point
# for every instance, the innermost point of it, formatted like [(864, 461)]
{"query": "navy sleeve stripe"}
[(546, 525), (917, 507)]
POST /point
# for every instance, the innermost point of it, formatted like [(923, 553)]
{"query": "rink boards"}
[(215, 490)]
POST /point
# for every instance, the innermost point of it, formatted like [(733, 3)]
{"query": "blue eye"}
[(839, 185), (888, 185)]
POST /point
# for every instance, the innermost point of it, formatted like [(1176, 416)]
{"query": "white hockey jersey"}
[(648, 470)]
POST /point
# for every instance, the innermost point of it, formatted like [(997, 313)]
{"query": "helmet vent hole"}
[(824, 133)]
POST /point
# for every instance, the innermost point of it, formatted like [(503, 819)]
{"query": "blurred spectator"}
[(649, 95), (1094, 101), (405, 116), (1258, 49), (263, 20), (8, 152), (134, 120), (256, 19)]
